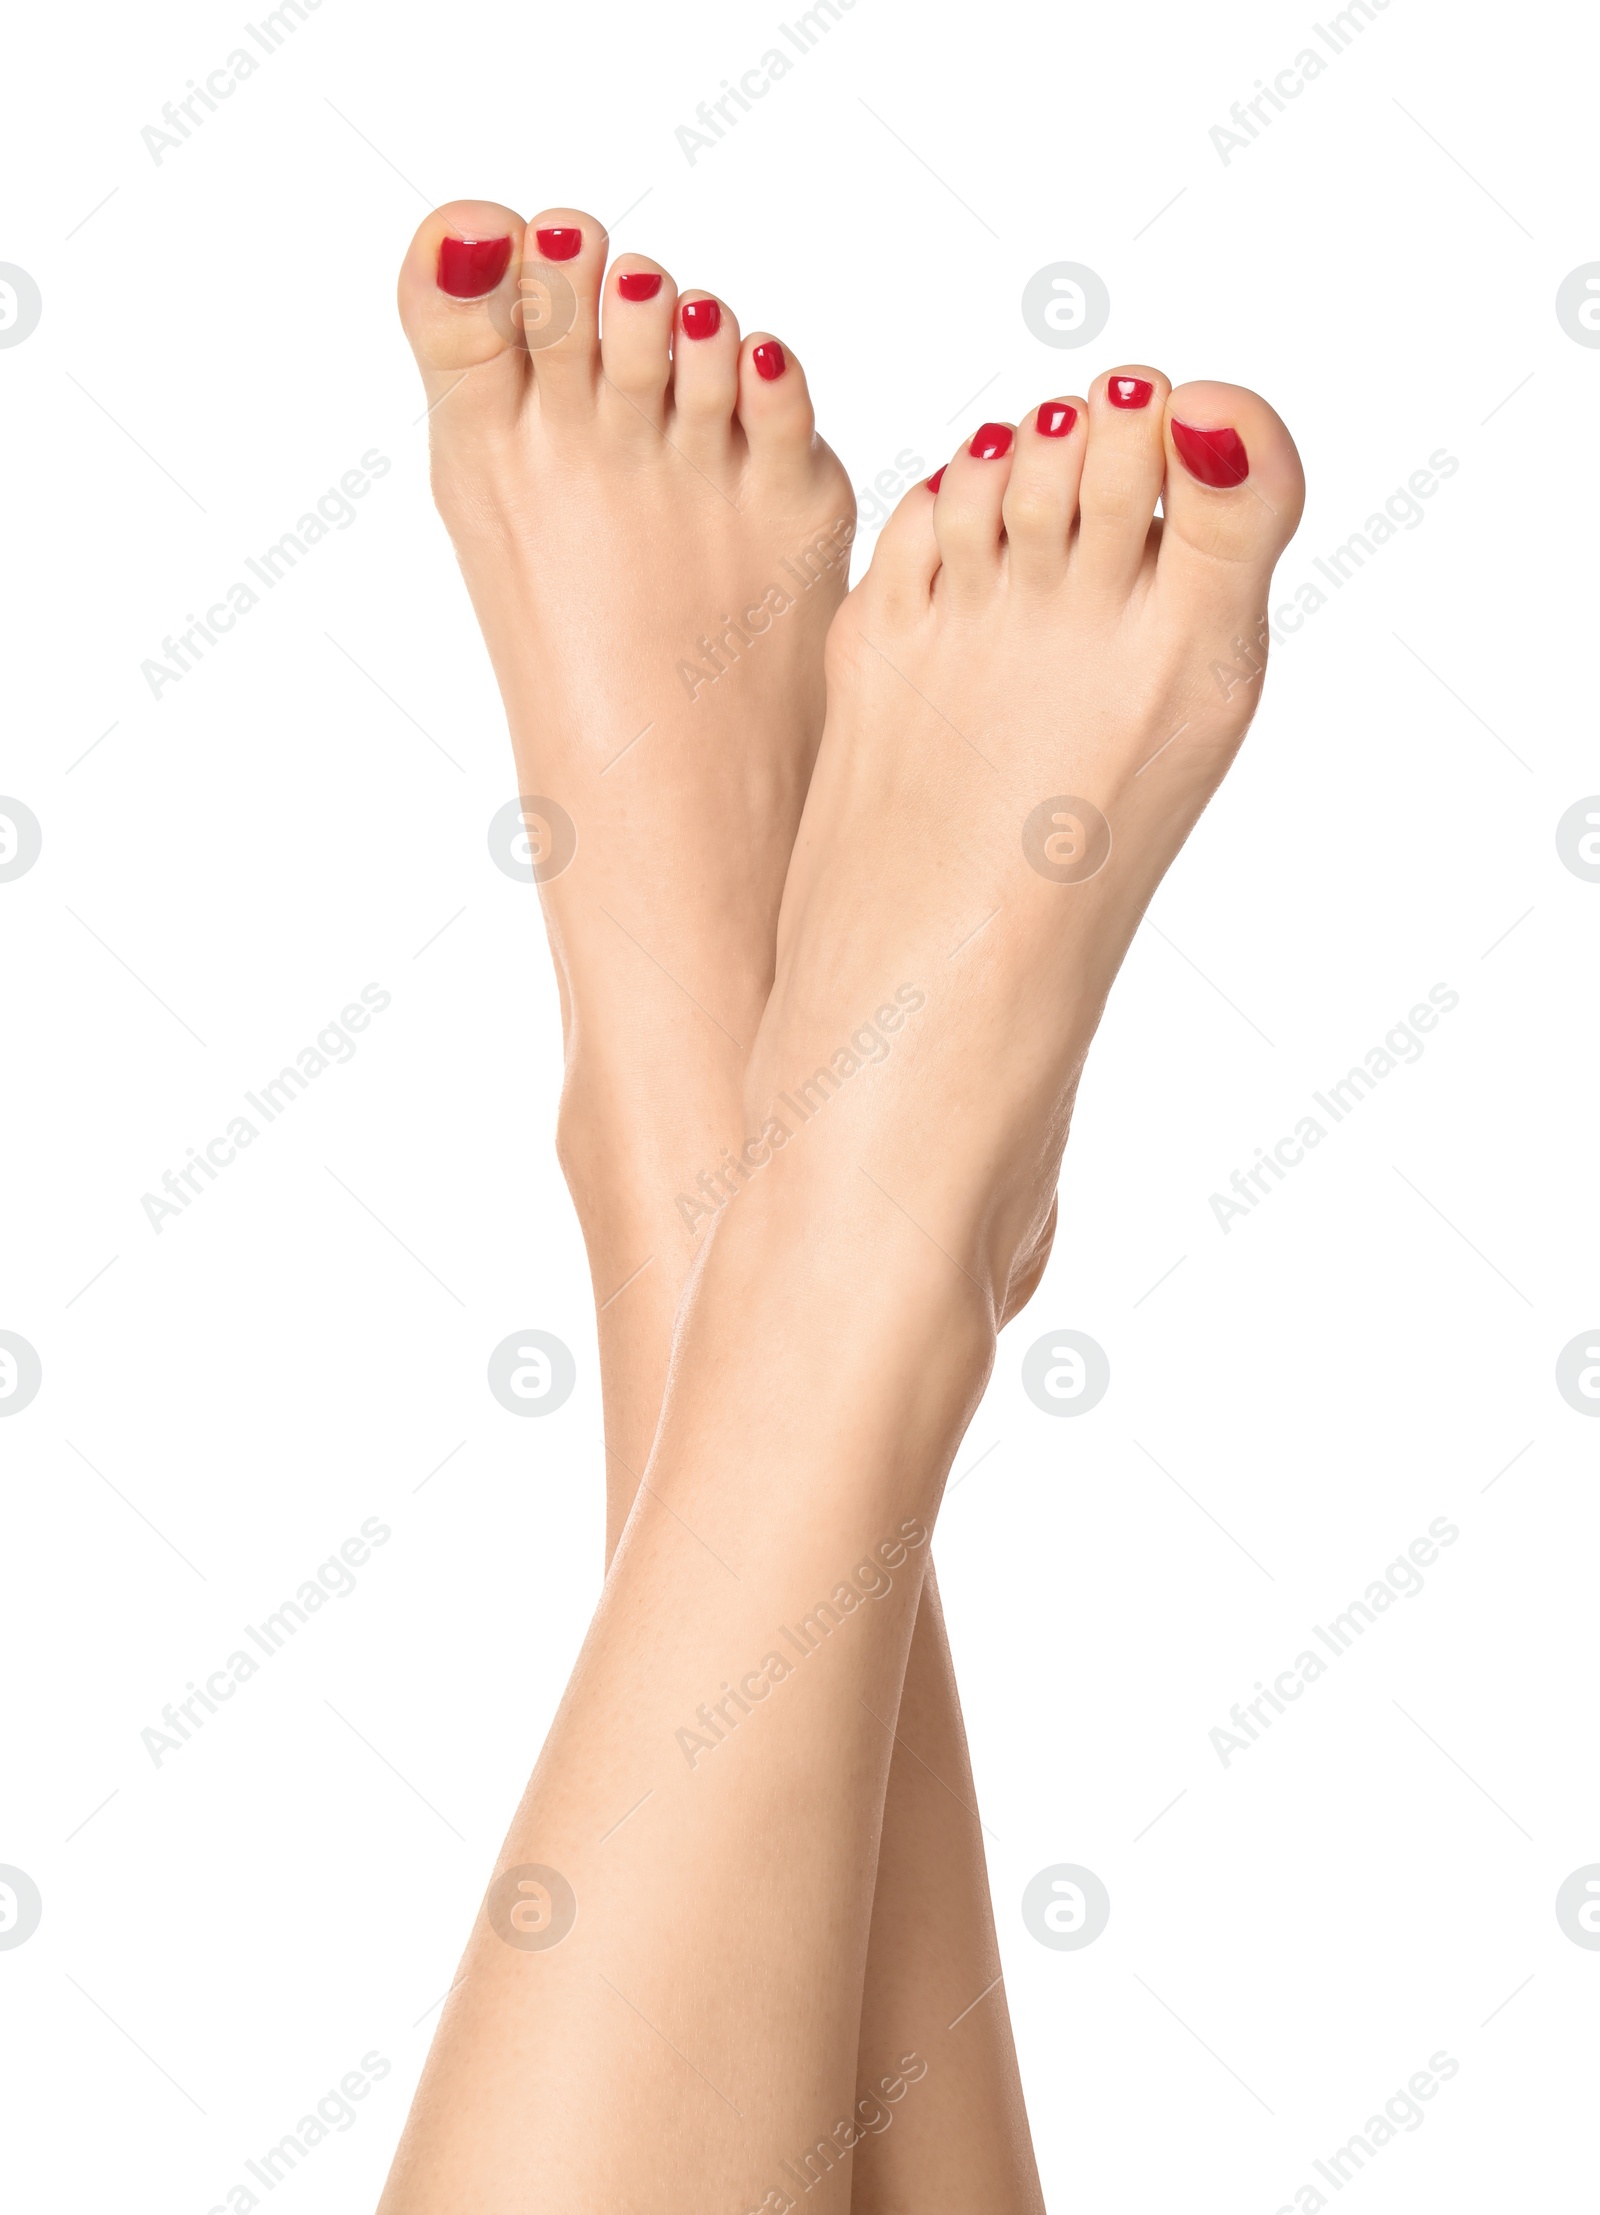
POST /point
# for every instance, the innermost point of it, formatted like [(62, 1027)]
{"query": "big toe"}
[(458, 296), (1234, 486)]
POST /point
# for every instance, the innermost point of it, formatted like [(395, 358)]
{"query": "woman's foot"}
[(1031, 697)]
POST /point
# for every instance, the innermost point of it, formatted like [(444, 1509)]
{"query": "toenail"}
[(560, 242), (1215, 457), (990, 441), (770, 359), (937, 479), (640, 284), (1129, 392), (700, 318), (1055, 418), (470, 267)]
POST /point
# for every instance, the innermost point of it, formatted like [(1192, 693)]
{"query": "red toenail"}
[(1055, 419), (1129, 392), (470, 267), (560, 242), (700, 318), (770, 359), (1215, 457), (937, 479), (990, 441), (641, 284)]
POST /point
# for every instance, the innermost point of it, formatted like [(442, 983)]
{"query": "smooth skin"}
[(1027, 632)]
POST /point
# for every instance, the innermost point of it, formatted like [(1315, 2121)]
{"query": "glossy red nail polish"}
[(937, 479), (700, 318), (1129, 392), (560, 242), (990, 440), (1215, 457), (640, 284), (770, 359), (470, 267), (1055, 418)]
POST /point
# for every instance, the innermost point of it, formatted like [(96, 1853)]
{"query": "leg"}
[(693, 453)]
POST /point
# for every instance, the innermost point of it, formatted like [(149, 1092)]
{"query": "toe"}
[(905, 559), (1234, 488), (636, 340), (563, 268), (458, 296), (1041, 500), (705, 372), (966, 513), (1122, 471), (775, 407)]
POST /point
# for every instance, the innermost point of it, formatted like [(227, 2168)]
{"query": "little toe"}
[(1041, 499), (1122, 471), (967, 513), (775, 408)]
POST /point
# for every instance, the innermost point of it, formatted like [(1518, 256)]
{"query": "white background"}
[(225, 1936)]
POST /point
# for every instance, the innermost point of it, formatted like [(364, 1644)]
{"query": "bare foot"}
[(1031, 697)]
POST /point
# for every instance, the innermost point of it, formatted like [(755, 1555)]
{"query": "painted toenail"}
[(640, 284), (937, 479), (700, 318), (770, 359), (470, 267), (560, 242), (1055, 418), (990, 441), (1129, 392), (1215, 457)]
